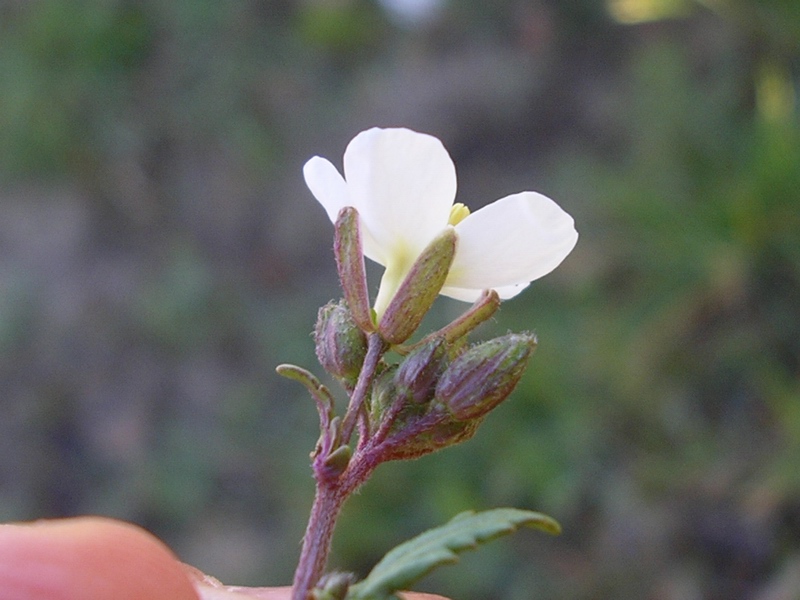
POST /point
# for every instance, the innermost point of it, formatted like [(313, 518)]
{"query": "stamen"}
[(458, 213)]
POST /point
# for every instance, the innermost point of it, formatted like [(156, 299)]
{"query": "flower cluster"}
[(395, 205)]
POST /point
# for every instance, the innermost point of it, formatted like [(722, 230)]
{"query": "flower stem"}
[(375, 349), (332, 492), (317, 540), (328, 502)]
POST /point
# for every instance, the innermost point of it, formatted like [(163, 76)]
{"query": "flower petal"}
[(512, 241), (403, 184), (471, 294), (327, 185), (330, 190), (463, 294)]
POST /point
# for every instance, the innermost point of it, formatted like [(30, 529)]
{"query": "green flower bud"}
[(417, 375), (340, 344), (333, 586), (336, 462), (416, 294), (484, 375)]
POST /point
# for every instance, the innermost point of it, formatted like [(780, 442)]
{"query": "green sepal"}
[(421, 286), (412, 560), (347, 248)]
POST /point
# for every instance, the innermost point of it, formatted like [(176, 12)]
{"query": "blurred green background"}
[(160, 255)]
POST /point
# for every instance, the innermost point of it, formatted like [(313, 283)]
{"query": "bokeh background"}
[(160, 255)]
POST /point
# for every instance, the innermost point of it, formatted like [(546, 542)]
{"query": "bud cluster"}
[(439, 400), (439, 390)]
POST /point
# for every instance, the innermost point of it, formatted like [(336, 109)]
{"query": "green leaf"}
[(319, 392), (417, 557)]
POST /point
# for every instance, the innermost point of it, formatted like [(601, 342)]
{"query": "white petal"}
[(471, 295), (464, 294), (330, 190), (403, 184), (509, 291), (327, 185), (512, 241)]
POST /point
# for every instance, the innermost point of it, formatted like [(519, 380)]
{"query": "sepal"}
[(347, 248), (416, 294), (481, 311)]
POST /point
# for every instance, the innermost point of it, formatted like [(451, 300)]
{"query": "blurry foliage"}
[(172, 258), (64, 66)]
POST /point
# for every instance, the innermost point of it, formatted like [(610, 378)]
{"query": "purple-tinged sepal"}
[(350, 263), (482, 310), (416, 294)]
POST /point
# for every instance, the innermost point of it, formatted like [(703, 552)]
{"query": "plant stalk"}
[(328, 503), (375, 350), (331, 493)]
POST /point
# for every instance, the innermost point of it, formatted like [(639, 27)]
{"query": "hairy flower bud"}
[(483, 376), (440, 434), (340, 344), (417, 375), (383, 396)]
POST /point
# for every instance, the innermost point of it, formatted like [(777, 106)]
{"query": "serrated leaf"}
[(417, 557)]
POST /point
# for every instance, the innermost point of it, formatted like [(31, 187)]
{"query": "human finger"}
[(88, 558)]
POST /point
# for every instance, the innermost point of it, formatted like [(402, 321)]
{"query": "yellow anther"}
[(458, 213)]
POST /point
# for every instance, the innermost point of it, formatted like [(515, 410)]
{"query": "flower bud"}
[(384, 394), (333, 586), (483, 376), (482, 310), (415, 296), (416, 377), (340, 344), (336, 462), (441, 434)]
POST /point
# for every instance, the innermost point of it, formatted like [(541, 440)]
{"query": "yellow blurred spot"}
[(775, 98), (642, 11), (458, 213)]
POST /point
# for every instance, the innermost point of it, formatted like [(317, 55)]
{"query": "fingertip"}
[(88, 558)]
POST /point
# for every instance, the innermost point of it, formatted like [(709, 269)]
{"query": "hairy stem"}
[(328, 502), (317, 540), (332, 493)]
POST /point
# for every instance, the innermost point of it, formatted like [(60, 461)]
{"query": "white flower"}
[(403, 184)]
